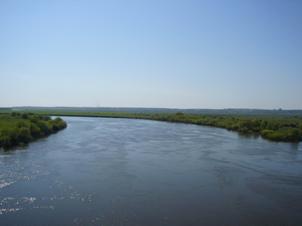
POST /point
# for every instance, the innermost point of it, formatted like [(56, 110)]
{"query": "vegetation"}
[(21, 128), (287, 129), (271, 127)]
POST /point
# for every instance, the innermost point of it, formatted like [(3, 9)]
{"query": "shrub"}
[(44, 127), (35, 131), (5, 141), (283, 134), (16, 128), (24, 116), (24, 135)]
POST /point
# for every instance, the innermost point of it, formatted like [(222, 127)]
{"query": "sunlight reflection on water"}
[(138, 172)]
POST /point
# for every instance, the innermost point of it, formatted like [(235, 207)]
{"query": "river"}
[(102, 171)]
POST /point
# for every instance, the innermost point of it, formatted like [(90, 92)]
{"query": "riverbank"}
[(18, 129), (274, 128)]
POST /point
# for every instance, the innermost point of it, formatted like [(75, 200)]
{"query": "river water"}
[(102, 171)]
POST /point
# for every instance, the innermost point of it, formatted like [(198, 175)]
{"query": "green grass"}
[(19, 129)]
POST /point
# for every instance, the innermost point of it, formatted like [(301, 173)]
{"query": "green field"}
[(17, 129)]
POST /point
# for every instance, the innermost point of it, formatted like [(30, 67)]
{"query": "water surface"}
[(102, 171)]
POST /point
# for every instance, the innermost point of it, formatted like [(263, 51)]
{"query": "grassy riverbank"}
[(270, 127), (18, 129), (287, 129)]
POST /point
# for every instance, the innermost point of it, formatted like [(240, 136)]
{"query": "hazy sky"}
[(186, 54)]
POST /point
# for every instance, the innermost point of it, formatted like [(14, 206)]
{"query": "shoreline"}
[(273, 128)]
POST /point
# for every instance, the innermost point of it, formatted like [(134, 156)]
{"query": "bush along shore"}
[(274, 128), (18, 129), (285, 129)]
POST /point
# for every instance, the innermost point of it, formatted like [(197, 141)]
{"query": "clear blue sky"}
[(165, 53)]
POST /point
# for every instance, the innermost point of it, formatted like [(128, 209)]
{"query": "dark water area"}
[(102, 171)]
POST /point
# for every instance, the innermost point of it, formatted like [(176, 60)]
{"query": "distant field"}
[(252, 112), (5, 110)]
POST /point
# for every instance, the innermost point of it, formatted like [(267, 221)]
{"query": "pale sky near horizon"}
[(159, 53)]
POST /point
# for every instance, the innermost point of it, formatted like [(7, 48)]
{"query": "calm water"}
[(137, 172)]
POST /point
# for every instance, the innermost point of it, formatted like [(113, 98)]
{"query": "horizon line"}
[(171, 108)]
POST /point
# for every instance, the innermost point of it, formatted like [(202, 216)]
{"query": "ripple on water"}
[(114, 172), (4, 183), (11, 204)]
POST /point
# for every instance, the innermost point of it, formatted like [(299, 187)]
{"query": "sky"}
[(159, 53)]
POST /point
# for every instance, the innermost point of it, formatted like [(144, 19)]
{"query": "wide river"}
[(102, 171)]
